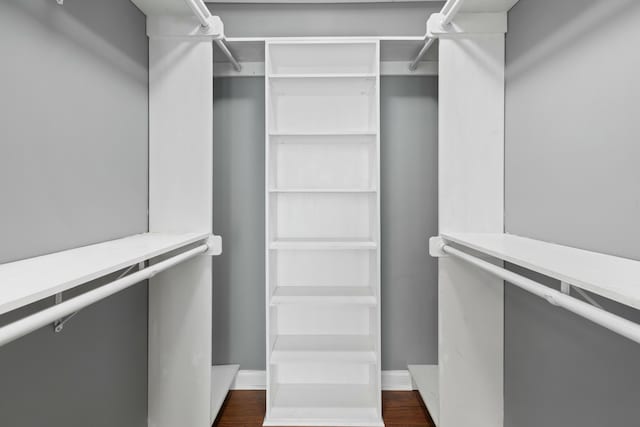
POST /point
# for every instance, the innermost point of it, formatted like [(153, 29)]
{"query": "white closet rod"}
[(225, 49), (603, 318), (49, 315), (204, 15), (449, 11)]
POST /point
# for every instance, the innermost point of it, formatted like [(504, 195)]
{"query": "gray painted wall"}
[(317, 19), (572, 177), (73, 171), (409, 216), (238, 215)]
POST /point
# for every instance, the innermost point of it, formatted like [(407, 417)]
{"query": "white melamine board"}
[(487, 6), (222, 376), (471, 183), (321, 190), (338, 348), (180, 197), (26, 281), (426, 378), (294, 135), (323, 295), (328, 244), (609, 276)]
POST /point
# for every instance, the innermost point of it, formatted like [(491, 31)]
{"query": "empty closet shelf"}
[(323, 348), (323, 245), (367, 76), (345, 133), (347, 404), (323, 295), (26, 281), (322, 190), (609, 276)]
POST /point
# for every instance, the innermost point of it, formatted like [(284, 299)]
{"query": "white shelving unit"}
[(323, 231)]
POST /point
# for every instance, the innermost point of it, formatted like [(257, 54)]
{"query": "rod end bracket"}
[(215, 245), (436, 247)]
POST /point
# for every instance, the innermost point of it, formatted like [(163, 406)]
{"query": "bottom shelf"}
[(324, 405), (426, 378), (222, 377)]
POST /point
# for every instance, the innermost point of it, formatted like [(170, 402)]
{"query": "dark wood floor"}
[(399, 409)]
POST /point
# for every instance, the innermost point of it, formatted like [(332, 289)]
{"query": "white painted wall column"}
[(471, 163), (180, 199)]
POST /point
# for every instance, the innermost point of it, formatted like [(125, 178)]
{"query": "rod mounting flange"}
[(436, 247)]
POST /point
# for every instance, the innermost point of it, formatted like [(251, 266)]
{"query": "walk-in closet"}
[(319, 213)]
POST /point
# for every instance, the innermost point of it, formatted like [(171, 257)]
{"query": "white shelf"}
[(322, 245), (324, 133), (427, 378), (322, 190), (323, 295), (27, 281), (222, 377), (324, 405), (609, 276), (323, 348), (324, 76)]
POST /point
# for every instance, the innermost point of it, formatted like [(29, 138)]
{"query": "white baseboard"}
[(250, 380), (396, 381), (257, 380)]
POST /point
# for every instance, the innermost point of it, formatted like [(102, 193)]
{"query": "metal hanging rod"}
[(610, 321), (49, 315), (449, 11), (222, 44), (203, 14)]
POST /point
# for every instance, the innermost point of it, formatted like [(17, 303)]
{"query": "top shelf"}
[(27, 281), (609, 276), (322, 57)]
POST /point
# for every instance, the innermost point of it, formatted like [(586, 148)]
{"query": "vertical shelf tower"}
[(323, 232)]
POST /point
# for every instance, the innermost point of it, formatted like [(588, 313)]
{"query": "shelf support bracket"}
[(565, 288), (58, 325)]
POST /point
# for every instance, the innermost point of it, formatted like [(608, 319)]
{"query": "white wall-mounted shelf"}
[(27, 281), (609, 276)]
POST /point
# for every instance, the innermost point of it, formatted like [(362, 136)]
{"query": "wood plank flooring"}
[(245, 408)]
